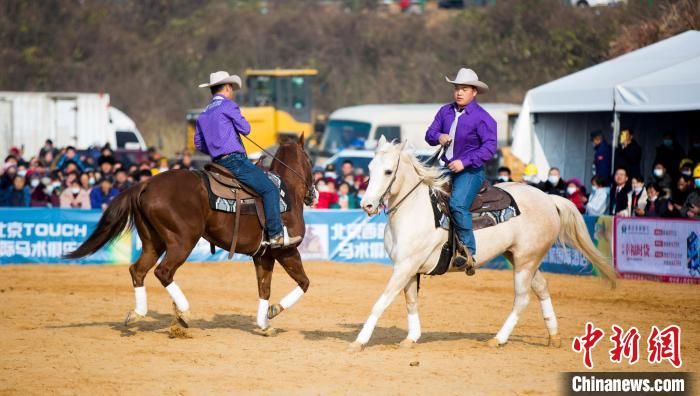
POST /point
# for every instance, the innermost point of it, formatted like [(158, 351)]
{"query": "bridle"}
[(310, 187), (390, 211)]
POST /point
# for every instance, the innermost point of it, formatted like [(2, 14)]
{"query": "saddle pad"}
[(248, 206), (479, 221)]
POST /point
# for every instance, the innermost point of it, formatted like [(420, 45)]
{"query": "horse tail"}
[(118, 217), (574, 232)]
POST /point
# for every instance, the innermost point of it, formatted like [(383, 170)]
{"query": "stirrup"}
[(284, 240), (463, 260)]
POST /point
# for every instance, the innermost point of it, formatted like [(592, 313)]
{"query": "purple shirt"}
[(218, 127), (475, 137)]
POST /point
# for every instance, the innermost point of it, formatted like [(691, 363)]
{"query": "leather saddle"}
[(491, 206), (223, 186), (490, 198)]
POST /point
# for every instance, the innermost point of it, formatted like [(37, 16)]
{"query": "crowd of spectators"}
[(672, 189), (340, 190), (68, 178)]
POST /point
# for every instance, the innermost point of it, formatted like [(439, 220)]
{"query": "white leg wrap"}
[(507, 328), (262, 320), (414, 331), (367, 330), (141, 300), (292, 298), (178, 297), (550, 318)]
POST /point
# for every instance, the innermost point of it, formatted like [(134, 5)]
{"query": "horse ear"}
[(301, 139), (402, 146), (381, 142)]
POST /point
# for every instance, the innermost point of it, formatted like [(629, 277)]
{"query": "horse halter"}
[(310, 188)]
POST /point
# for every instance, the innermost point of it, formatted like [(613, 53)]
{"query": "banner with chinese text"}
[(661, 249)]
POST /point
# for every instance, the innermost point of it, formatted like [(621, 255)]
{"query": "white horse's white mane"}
[(432, 176)]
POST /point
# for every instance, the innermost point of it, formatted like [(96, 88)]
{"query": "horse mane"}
[(433, 176)]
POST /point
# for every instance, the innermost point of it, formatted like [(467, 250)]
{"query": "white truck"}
[(27, 119)]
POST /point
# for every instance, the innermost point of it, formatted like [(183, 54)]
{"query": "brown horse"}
[(171, 213)]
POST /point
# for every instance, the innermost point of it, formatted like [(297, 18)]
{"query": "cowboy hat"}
[(222, 77), (468, 77)]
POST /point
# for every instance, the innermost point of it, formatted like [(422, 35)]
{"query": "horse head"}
[(383, 175)]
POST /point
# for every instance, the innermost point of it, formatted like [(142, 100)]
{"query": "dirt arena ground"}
[(61, 330)]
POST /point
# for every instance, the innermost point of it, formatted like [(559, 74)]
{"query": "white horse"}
[(413, 243)]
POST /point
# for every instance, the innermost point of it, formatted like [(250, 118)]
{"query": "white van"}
[(359, 127), (27, 119)]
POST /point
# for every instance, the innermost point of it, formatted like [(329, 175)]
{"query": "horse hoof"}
[(132, 317), (494, 343), (555, 341), (182, 318), (407, 343), (269, 332), (177, 330), (355, 347), (274, 310)]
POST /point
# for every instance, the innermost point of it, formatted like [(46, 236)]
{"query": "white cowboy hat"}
[(222, 77), (468, 77)]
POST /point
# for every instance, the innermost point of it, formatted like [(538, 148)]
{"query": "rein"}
[(431, 161), (311, 189)]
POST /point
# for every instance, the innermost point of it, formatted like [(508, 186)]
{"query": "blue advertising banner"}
[(32, 235), (348, 236)]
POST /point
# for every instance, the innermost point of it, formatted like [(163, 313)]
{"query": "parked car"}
[(595, 3)]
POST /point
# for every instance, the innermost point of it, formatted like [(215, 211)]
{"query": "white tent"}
[(662, 77), (675, 88)]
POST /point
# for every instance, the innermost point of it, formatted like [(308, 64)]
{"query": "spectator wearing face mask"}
[(691, 207), (661, 177), (637, 198), (530, 176), (554, 184), (686, 167), (41, 196), (330, 175), (628, 154), (668, 153), (75, 197), (656, 205), (600, 195), (503, 175), (574, 194), (619, 194)]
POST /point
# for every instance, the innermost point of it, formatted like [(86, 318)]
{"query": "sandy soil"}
[(61, 333)]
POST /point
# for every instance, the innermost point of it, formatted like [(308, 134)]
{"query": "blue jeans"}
[(465, 185), (255, 178)]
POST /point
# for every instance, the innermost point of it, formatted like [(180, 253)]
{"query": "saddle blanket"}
[(229, 205)]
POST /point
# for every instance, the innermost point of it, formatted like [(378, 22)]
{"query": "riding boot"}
[(463, 260), (283, 240)]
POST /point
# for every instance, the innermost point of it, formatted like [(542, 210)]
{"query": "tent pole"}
[(616, 136)]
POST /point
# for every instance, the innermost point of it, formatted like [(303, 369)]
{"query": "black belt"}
[(223, 156)]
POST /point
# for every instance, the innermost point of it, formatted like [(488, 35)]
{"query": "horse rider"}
[(468, 134), (217, 134)]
